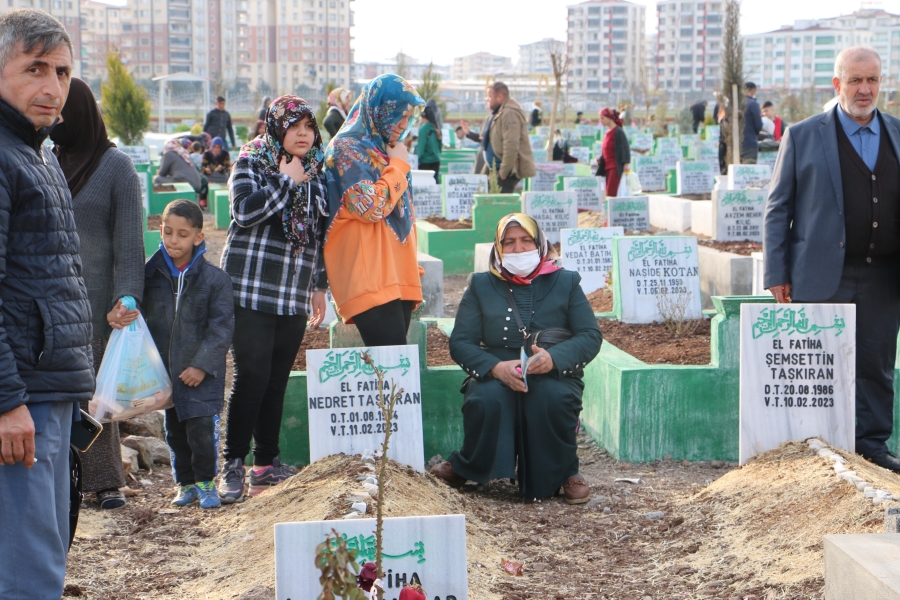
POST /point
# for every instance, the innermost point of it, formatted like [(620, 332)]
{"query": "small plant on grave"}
[(338, 566), (673, 308), (494, 180)]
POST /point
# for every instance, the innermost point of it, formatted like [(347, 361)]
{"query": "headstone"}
[(413, 161), (690, 139), (581, 153), (427, 200), (460, 168), (651, 271), (798, 375), (586, 130), (342, 392), (542, 130), (641, 142), (742, 177), (459, 194), (712, 132), (767, 158), (589, 191), (629, 212), (759, 271), (430, 551), (630, 130), (589, 252), (738, 214), (651, 170), (694, 177), (545, 179), (537, 141), (670, 151), (139, 154), (144, 178), (554, 211)]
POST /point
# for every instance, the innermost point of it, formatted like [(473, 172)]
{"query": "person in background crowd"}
[(429, 147), (108, 202), (216, 162), (698, 113), (561, 148), (615, 157), (438, 116), (258, 130), (504, 139), (848, 159), (578, 117), (536, 112), (263, 109), (273, 253), (338, 105), (176, 166), (44, 301), (768, 110), (197, 155), (218, 123), (371, 239), (752, 126)]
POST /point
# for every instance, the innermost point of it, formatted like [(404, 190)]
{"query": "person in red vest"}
[(768, 110)]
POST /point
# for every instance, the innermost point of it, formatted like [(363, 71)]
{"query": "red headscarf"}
[(613, 114)]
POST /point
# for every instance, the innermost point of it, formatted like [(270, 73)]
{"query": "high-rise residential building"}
[(480, 64), (605, 46), (689, 45), (534, 58), (801, 56)]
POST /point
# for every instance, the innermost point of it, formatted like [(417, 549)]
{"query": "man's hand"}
[(318, 305), (782, 293), (465, 126), (293, 169), (17, 437), (542, 364), (398, 150), (508, 373), (192, 376), (120, 317)]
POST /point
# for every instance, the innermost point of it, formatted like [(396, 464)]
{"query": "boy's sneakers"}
[(262, 478), (187, 494), (207, 495), (231, 487)]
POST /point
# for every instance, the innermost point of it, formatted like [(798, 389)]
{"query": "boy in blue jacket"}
[(189, 308)]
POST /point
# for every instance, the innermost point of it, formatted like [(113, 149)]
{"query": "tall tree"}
[(402, 64), (732, 67), (559, 60), (125, 107), (430, 88)]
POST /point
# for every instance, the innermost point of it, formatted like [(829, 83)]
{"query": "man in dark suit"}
[(832, 232)]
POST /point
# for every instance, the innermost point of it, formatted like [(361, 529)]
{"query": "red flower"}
[(412, 593)]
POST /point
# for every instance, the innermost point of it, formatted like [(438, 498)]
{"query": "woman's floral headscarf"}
[(175, 145), (340, 99), (266, 152), (358, 153), (543, 246)]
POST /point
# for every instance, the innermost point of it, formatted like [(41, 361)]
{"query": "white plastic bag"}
[(633, 182), (623, 188), (132, 379)]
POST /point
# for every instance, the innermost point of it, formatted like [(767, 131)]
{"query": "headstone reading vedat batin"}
[(649, 267), (742, 177), (589, 252), (554, 211), (459, 194), (588, 191), (342, 392), (738, 214), (139, 154), (798, 375), (629, 212), (430, 551), (427, 200), (694, 177), (651, 170)]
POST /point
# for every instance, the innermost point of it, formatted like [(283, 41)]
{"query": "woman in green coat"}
[(429, 146), (514, 431)]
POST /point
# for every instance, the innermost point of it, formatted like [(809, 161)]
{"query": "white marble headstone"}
[(641, 142), (138, 154), (430, 551), (537, 141), (589, 191), (738, 214), (342, 391), (742, 177), (651, 170), (694, 177), (413, 161), (798, 375), (545, 179), (553, 211), (712, 132), (459, 194), (649, 266), (582, 153), (427, 200), (629, 212), (589, 252), (461, 168), (759, 272), (767, 158), (144, 179), (670, 151)]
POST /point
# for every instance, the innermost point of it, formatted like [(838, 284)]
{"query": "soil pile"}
[(745, 248), (654, 344), (450, 224)]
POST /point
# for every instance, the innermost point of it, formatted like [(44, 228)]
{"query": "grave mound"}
[(450, 223)]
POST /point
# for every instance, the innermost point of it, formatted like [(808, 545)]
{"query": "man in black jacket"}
[(698, 113), (45, 316), (218, 122)]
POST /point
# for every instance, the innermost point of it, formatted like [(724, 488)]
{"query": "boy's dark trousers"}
[(194, 447)]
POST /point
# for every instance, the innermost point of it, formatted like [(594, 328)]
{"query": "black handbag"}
[(542, 338)]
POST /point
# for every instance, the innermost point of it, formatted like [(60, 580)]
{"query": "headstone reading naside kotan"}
[(554, 211), (589, 252)]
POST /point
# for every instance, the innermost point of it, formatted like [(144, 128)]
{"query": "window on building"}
[(824, 53), (686, 32), (824, 67), (824, 40)]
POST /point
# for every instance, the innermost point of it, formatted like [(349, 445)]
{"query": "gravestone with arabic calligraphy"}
[(138, 154), (461, 168), (430, 551), (651, 170), (581, 153), (738, 214), (798, 375), (545, 178), (552, 210), (654, 270), (670, 151), (589, 252), (342, 391), (459, 194), (742, 177), (537, 141), (641, 142), (629, 212), (694, 177), (428, 199), (712, 132), (589, 191)]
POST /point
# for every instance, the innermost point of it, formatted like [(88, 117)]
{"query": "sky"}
[(499, 26)]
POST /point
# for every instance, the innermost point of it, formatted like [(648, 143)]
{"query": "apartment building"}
[(689, 45), (480, 64), (534, 58), (605, 40)]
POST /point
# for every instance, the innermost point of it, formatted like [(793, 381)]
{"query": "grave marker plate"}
[(582, 153), (427, 200), (694, 177), (798, 375), (589, 252), (545, 179), (537, 141), (342, 412), (589, 191), (582, 130), (460, 168), (144, 178), (667, 145), (459, 194), (554, 211), (651, 171), (767, 158), (630, 130), (712, 132), (430, 551), (738, 214), (742, 177), (651, 269), (641, 142), (139, 155), (413, 161), (630, 212)]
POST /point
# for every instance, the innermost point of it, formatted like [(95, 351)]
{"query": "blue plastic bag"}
[(132, 379)]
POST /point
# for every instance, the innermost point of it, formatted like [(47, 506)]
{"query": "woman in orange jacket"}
[(370, 246)]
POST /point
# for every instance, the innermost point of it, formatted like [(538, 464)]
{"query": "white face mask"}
[(521, 264)]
